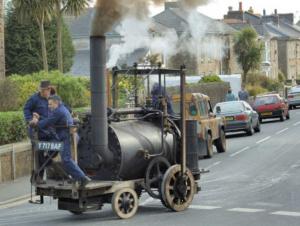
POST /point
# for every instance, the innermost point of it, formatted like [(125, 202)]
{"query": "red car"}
[(271, 106)]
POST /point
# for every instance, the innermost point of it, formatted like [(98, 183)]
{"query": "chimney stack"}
[(264, 12), (229, 8), (275, 11), (241, 6)]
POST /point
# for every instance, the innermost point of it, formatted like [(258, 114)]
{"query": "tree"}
[(61, 7), (185, 58), (249, 50), (38, 11), (22, 46)]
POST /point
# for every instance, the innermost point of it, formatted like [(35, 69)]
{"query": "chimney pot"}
[(240, 6)]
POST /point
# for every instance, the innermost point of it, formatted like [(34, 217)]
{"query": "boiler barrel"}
[(128, 141)]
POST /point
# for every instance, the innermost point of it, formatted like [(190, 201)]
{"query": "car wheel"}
[(290, 107), (221, 142), (288, 115), (260, 119), (282, 117), (209, 146), (257, 127), (250, 130)]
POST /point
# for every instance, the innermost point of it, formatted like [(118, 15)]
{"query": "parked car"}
[(239, 116), (210, 128), (271, 106), (294, 97)]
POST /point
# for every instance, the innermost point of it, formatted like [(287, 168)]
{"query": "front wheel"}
[(257, 127), (209, 146), (221, 142), (250, 130), (288, 115), (282, 117)]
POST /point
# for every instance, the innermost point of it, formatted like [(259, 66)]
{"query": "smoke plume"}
[(107, 13)]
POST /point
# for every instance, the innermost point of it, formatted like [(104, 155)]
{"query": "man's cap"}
[(55, 97), (45, 84)]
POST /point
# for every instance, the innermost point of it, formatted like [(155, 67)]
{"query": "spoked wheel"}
[(154, 176), (125, 203), (178, 190)]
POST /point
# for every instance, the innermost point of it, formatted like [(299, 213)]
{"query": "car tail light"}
[(290, 96), (242, 117)]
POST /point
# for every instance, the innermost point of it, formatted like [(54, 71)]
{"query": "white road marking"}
[(297, 123), (199, 207), (281, 131), (147, 201), (238, 152), (263, 140), (287, 213), (214, 164), (246, 210)]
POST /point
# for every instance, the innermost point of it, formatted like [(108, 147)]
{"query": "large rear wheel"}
[(178, 190)]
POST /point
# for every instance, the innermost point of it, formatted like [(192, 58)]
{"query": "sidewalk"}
[(14, 190)]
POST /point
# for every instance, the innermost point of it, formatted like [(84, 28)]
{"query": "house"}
[(172, 18), (2, 51), (280, 37), (176, 18)]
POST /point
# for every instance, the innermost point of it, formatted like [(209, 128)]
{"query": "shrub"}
[(255, 90), (12, 127), (74, 91), (8, 95), (210, 78)]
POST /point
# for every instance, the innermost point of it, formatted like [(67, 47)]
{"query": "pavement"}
[(14, 191)]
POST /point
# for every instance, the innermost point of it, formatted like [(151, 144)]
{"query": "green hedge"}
[(12, 127), (210, 78), (74, 91)]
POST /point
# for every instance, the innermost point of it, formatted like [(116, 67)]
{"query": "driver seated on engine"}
[(61, 119), (157, 92)]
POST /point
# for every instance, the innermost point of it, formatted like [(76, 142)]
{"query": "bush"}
[(264, 82), (8, 95), (210, 78), (255, 90), (74, 91), (12, 127)]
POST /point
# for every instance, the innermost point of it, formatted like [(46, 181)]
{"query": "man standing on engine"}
[(60, 119)]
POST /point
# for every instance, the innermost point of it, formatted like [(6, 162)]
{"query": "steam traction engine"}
[(129, 151)]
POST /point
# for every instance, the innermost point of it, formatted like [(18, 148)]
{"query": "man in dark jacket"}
[(38, 104), (61, 119)]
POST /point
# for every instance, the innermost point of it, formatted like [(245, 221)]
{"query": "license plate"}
[(229, 118), (50, 146), (266, 113)]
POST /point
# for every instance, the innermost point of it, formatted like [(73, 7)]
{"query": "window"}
[(203, 108)]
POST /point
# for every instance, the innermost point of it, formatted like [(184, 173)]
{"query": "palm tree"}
[(40, 12), (70, 7)]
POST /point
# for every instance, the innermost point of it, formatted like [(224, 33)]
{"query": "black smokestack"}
[(98, 97)]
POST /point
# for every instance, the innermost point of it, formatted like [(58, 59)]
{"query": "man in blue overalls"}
[(38, 103), (61, 119)]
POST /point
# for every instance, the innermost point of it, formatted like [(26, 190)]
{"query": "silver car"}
[(294, 97), (239, 116)]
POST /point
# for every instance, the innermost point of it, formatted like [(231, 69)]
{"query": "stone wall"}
[(2, 58), (15, 161)]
